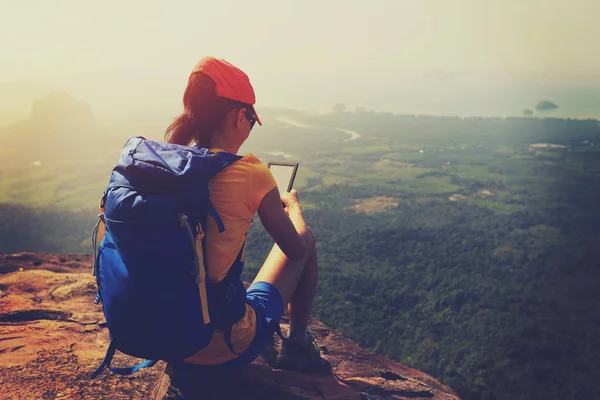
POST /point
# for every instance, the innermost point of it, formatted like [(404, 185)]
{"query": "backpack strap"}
[(227, 338), (97, 236), (213, 213), (202, 272), (110, 353), (226, 290)]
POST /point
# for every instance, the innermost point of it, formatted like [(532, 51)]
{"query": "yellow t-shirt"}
[(236, 193)]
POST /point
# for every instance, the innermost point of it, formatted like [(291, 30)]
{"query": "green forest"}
[(467, 248)]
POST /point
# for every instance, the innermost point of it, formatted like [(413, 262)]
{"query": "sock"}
[(300, 337)]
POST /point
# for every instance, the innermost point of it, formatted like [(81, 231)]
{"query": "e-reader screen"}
[(284, 174)]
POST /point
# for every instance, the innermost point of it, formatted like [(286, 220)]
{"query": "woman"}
[(219, 115)]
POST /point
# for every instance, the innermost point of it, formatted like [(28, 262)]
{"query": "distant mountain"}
[(60, 110), (545, 105), (16, 97), (57, 123)]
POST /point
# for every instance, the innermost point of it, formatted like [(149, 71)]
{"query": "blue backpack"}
[(150, 265)]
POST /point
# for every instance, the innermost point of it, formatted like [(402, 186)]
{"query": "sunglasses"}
[(251, 119)]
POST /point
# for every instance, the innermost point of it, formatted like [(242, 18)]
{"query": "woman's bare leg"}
[(295, 280)]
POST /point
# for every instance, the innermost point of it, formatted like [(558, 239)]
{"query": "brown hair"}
[(203, 115)]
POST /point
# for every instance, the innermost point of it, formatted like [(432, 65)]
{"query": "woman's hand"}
[(284, 224), (291, 201)]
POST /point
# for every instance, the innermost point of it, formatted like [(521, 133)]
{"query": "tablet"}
[(284, 174)]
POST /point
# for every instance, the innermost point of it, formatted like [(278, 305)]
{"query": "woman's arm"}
[(285, 225)]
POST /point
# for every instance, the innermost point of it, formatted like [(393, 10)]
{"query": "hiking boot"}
[(295, 357)]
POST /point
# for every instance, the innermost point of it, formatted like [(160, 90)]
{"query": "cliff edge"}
[(52, 337)]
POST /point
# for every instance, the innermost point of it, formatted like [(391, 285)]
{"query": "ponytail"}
[(181, 131)]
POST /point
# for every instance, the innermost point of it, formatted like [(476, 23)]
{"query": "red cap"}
[(231, 82)]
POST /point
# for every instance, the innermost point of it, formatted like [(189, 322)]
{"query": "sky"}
[(424, 56)]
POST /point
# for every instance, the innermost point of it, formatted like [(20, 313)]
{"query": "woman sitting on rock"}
[(219, 115)]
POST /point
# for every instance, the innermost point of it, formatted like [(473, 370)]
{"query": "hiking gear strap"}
[(95, 245), (110, 353), (97, 235), (200, 265), (227, 337), (226, 293)]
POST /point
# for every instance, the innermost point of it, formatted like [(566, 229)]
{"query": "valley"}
[(464, 247)]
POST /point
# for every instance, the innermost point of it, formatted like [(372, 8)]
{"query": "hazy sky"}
[(385, 54)]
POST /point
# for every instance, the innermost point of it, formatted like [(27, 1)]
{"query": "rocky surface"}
[(52, 336)]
